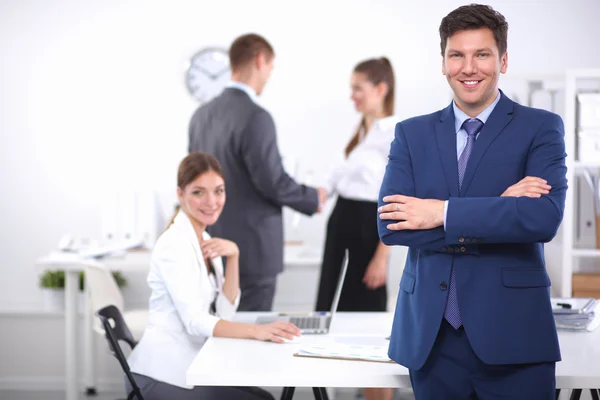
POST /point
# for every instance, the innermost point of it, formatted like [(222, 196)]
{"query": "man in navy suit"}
[(474, 190)]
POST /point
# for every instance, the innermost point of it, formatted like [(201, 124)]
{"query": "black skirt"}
[(353, 226)]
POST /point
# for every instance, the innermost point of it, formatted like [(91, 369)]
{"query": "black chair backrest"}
[(113, 334)]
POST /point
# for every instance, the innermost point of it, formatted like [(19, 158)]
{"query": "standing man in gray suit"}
[(241, 135)]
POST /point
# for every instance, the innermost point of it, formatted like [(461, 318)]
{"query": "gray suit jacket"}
[(241, 135)]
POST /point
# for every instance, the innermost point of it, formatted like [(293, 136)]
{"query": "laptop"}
[(315, 322)]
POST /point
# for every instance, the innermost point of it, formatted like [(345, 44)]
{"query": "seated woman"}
[(191, 297)]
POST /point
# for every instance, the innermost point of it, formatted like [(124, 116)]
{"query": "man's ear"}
[(504, 62), (260, 60)]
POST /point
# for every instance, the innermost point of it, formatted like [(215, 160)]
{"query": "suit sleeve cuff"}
[(445, 212)]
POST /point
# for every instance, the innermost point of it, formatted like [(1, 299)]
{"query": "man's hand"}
[(322, 192), (413, 213), (529, 186)]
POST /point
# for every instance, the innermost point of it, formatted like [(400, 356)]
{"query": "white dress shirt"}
[(244, 88), (461, 135), (179, 319), (359, 176)]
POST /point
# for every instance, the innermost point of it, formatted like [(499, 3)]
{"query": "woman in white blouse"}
[(192, 297), (357, 180)]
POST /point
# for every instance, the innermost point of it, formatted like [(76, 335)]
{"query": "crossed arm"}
[(528, 211)]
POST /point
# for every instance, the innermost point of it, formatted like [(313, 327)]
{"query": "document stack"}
[(576, 314)]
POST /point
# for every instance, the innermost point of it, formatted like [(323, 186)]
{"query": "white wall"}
[(92, 93)]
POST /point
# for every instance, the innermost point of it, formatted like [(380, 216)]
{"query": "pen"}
[(564, 305)]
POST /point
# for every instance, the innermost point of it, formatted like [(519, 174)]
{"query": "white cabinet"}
[(579, 119)]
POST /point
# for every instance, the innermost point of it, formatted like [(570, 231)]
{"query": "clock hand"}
[(221, 72), (205, 72)]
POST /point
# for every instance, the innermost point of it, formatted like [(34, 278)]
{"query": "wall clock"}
[(207, 73)]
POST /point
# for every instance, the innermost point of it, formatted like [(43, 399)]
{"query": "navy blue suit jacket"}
[(495, 243)]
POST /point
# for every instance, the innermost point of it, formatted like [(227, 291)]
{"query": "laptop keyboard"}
[(306, 322)]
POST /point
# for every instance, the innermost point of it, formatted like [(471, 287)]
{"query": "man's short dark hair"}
[(475, 16), (246, 47)]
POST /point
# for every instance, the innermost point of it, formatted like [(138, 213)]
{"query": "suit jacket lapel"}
[(499, 118), (446, 141)]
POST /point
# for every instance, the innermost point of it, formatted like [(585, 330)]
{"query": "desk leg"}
[(320, 393), (88, 346), (576, 394), (71, 290), (595, 394), (288, 393), (557, 394)]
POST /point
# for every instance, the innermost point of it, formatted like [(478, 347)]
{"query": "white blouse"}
[(359, 176), (179, 319)]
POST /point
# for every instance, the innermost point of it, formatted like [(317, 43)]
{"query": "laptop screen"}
[(338, 290)]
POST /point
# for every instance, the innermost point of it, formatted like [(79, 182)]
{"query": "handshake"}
[(322, 193)]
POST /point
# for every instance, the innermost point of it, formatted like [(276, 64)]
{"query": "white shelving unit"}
[(571, 255)]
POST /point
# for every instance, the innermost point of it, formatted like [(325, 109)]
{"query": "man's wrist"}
[(441, 213)]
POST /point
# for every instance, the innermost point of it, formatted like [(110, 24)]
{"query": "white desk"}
[(235, 362), (131, 261), (72, 264)]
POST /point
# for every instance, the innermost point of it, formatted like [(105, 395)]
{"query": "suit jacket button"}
[(467, 240), (444, 249), (463, 249), (443, 286), (461, 239)]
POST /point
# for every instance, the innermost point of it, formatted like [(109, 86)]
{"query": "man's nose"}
[(470, 66)]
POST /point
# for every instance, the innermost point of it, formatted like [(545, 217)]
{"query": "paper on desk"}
[(588, 321), (347, 352)]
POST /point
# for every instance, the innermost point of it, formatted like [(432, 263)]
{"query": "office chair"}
[(113, 334), (104, 291)]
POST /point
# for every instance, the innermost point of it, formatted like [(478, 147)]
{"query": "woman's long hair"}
[(377, 70)]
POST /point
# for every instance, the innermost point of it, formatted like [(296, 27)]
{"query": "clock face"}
[(208, 73)]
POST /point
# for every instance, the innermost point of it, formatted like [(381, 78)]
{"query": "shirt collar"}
[(460, 117), (182, 221), (244, 88), (386, 123)]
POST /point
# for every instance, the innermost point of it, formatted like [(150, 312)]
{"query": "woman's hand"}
[(376, 274), (216, 247), (275, 331)]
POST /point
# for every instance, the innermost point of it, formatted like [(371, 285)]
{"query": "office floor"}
[(304, 394)]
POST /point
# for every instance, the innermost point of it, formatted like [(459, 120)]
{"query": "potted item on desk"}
[(52, 284)]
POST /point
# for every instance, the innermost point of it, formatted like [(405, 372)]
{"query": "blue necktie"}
[(472, 127)]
